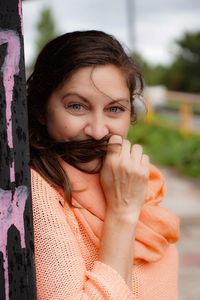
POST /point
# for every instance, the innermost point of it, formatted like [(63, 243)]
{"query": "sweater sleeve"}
[(60, 268)]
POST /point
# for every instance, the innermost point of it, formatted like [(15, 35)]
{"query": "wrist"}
[(123, 218)]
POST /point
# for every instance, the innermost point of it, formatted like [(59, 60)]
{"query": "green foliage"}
[(184, 72), (153, 75), (166, 146), (46, 29), (190, 156)]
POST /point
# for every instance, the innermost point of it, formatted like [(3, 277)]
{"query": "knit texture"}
[(156, 227), (66, 258)]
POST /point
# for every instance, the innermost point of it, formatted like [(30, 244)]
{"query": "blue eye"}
[(76, 106), (116, 109)]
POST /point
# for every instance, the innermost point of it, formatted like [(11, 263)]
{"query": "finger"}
[(145, 162), (136, 154), (115, 139), (145, 159), (125, 149), (115, 144)]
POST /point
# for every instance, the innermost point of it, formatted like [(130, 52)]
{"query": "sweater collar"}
[(157, 227)]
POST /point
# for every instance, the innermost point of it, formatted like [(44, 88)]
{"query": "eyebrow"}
[(87, 101)]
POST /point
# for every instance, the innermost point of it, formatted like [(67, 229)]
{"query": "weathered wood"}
[(17, 272), (183, 97)]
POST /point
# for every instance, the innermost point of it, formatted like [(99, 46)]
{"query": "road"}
[(183, 197)]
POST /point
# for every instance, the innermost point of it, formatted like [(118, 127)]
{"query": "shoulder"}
[(39, 184), (50, 209), (36, 178), (42, 189)]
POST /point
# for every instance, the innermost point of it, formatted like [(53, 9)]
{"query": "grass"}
[(167, 147)]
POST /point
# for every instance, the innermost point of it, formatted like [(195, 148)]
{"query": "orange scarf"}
[(157, 227)]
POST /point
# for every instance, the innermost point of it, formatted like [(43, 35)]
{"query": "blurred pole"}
[(17, 272), (186, 118), (130, 7), (150, 111)]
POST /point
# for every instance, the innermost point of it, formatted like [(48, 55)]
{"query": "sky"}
[(156, 24)]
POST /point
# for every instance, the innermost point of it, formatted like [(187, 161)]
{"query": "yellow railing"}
[(186, 101)]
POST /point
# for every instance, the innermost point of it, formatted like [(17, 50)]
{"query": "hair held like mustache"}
[(76, 152)]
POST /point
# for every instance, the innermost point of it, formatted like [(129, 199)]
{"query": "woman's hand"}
[(124, 178)]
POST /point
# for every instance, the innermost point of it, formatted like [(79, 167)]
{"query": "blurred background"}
[(164, 39)]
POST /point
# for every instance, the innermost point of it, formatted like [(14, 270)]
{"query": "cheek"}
[(55, 124), (121, 127), (67, 127), (125, 128)]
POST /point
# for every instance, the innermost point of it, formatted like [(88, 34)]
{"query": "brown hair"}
[(56, 63)]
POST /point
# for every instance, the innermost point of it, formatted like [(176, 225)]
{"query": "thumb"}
[(115, 144)]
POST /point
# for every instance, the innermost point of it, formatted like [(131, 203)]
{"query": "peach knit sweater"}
[(67, 245)]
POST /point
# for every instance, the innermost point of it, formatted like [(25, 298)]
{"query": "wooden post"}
[(17, 272), (186, 101), (186, 118), (150, 111)]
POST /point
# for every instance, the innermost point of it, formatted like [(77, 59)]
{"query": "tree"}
[(153, 75), (184, 73), (46, 30)]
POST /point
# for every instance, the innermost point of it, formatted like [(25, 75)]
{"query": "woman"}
[(99, 230)]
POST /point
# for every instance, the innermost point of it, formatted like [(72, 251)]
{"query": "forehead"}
[(109, 80)]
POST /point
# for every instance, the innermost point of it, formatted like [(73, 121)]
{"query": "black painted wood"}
[(18, 260)]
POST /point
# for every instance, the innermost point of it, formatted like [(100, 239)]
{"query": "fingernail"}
[(115, 139)]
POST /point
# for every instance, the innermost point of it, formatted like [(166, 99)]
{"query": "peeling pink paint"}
[(12, 206), (10, 68), (11, 213), (12, 172), (20, 14)]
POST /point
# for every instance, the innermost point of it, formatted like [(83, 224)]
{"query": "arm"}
[(124, 178), (117, 246), (60, 268)]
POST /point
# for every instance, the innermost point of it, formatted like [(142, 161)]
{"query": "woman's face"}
[(94, 102)]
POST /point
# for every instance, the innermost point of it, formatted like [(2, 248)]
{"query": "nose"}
[(96, 127)]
